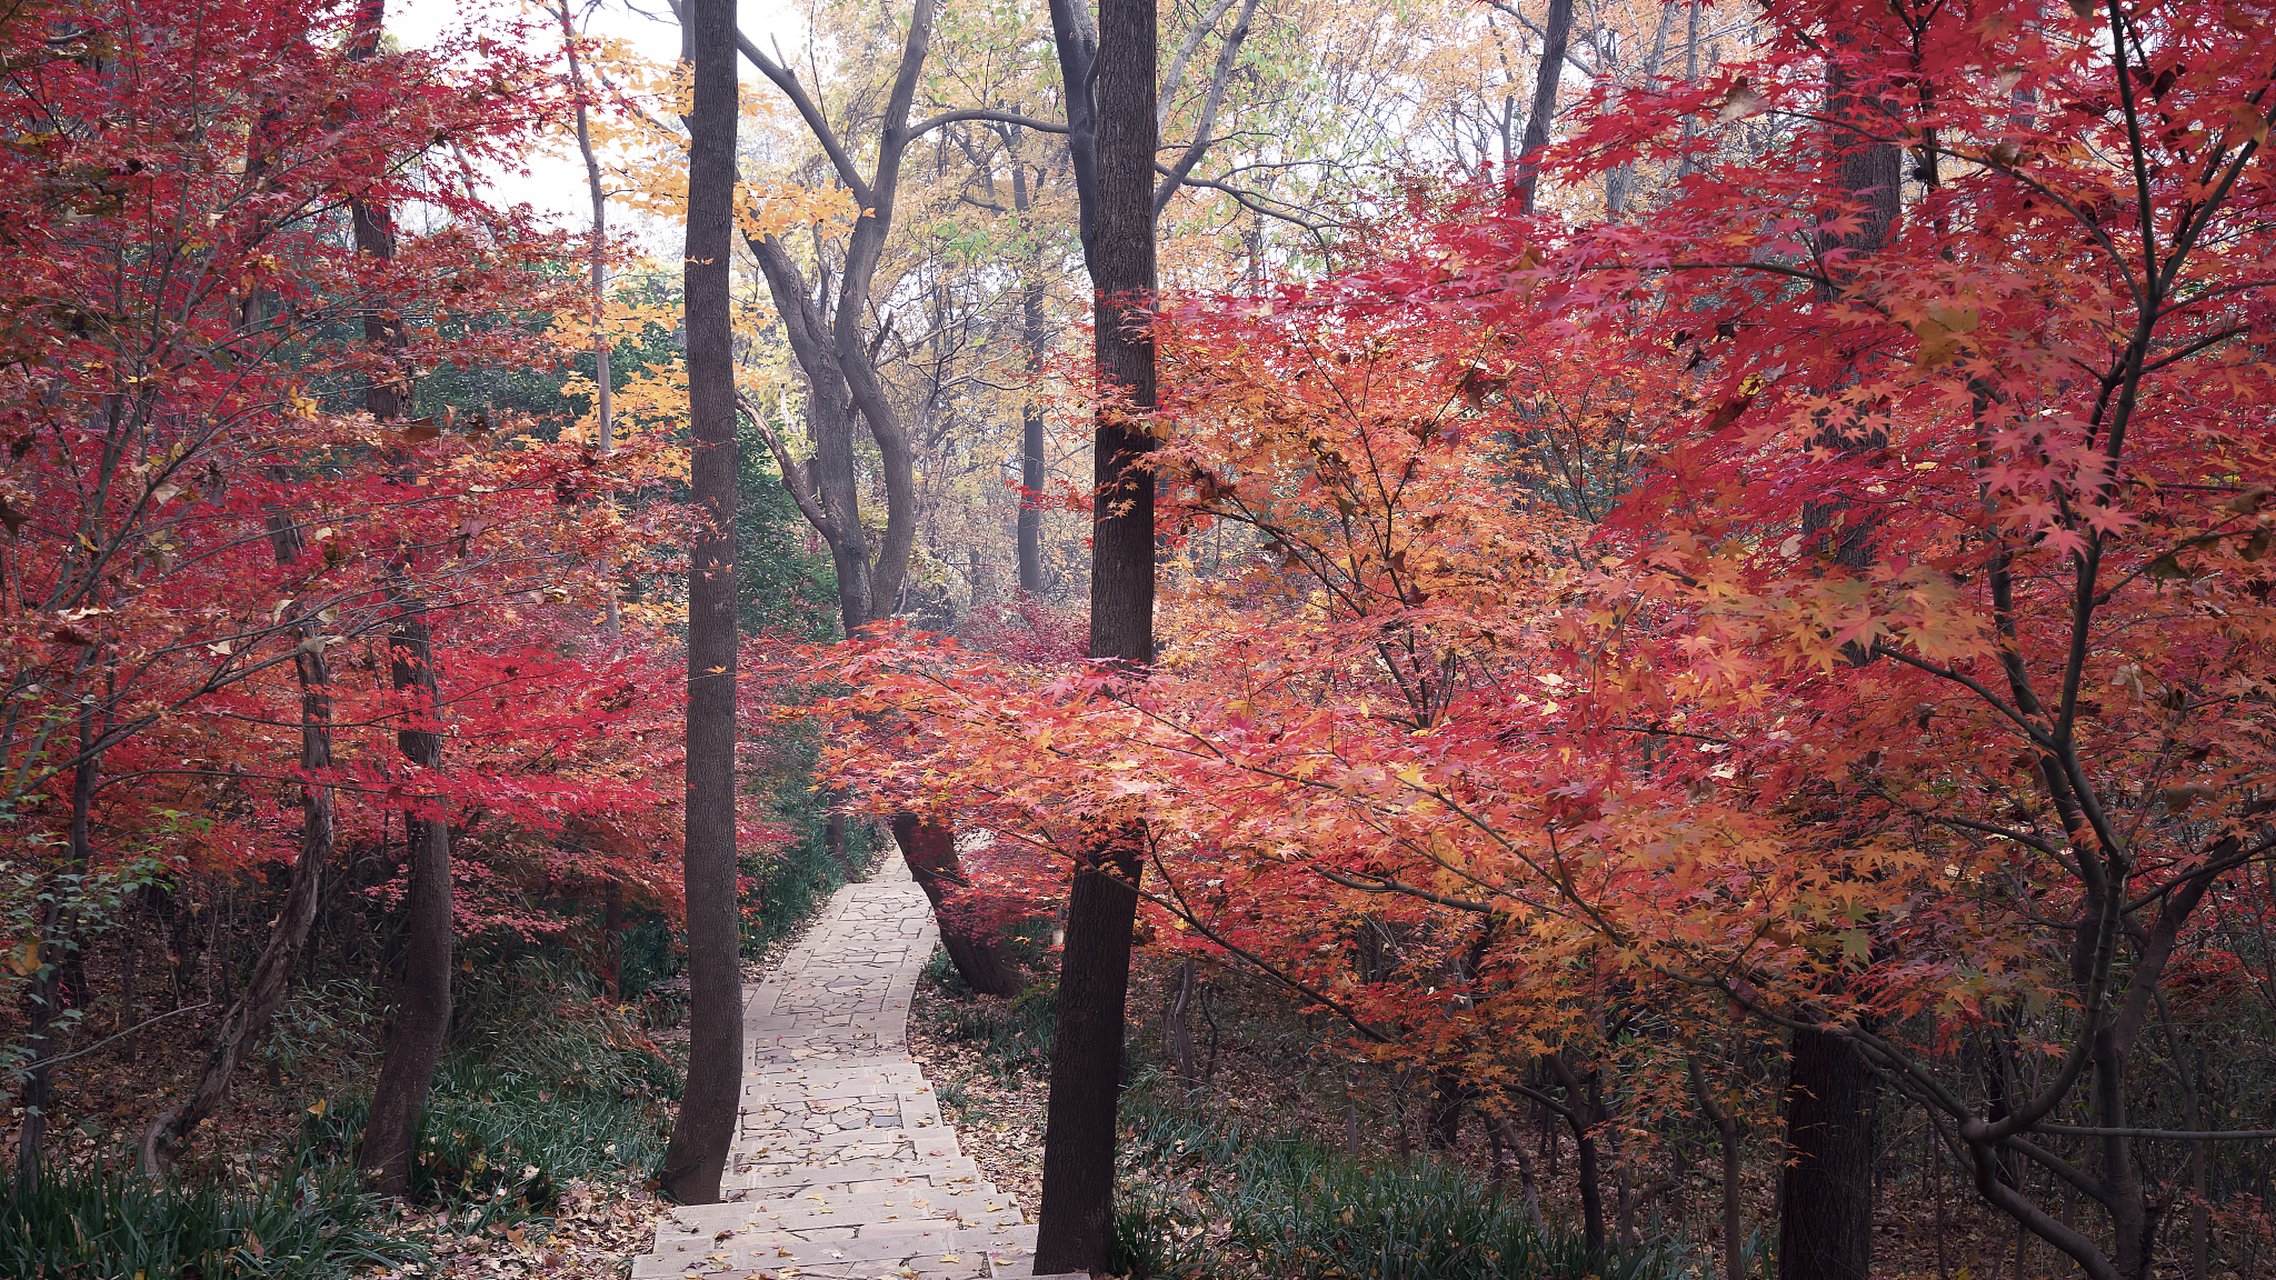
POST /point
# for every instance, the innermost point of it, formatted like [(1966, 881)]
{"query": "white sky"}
[(555, 187)]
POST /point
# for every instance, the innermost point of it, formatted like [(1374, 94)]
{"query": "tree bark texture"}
[(705, 1128), (928, 844), (421, 1014), (1114, 183), (1825, 1231), (1556, 38), (1033, 474)]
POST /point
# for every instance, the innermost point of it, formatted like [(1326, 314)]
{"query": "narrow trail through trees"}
[(842, 1166)]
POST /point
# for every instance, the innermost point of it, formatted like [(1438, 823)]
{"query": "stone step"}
[(765, 1178), (926, 1250), (954, 1199), (862, 1219)]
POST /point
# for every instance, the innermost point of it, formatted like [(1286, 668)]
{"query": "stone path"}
[(842, 1167)]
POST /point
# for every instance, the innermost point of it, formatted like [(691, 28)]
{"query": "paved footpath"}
[(842, 1167)]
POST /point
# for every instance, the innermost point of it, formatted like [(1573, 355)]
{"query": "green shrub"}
[(1292, 1208), (106, 1224), (539, 1090), (1013, 1036)]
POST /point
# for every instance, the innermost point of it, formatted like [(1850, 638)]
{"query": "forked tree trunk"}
[(421, 1014), (929, 846), (1114, 164), (705, 1128), (1585, 1114)]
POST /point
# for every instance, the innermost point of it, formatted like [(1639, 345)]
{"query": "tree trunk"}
[(1075, 1231), (1450, 1093), (1555, 38), (1177, 1024), (705, 1129), (981, 958), (1034, 334), (604, 390), (421, 1015), (1727, 1134), (1825, 1228), (248, 1020), (57, 940), (1511, 1140), (1584, 1113)]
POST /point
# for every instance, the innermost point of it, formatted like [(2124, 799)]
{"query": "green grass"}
[(111, 1224), (1013, 1037), (544, 1087), (1288, 1207)]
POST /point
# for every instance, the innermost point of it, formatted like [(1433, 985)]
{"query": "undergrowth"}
[(103, 1223), (546, 1086), (1011, 1036), (1202, 1198)]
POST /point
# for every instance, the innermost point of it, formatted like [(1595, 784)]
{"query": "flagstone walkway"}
[(842, 1167)]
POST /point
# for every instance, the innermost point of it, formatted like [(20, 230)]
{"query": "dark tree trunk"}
[(1032, 473), (1825, 1221), (1556, 37), (248, 1020), (1075, 1231), (1449, 1095), (1114, 170), (57, 942), (1585, 1113), (1728, 1134), (1825, 1227), (697, 1157), (421, 1015), (980, 956), (1177, 1024)]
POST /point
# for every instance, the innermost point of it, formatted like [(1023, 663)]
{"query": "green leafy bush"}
[(1287, 1207), (107, 1224), (1013, 1035), (544, 1086)]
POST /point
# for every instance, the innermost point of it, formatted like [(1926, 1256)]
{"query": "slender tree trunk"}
[(57, 940), (1933, 1168), (928, 844), (1825, 1231), (421, 1016), (1177, 1024), (1825, 1223), (1513, 1141), (248, 1020), (705, 1129), (604, 390), (1075, 1232), (1727, 1135), (1584, 1114), (1032, 472)]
